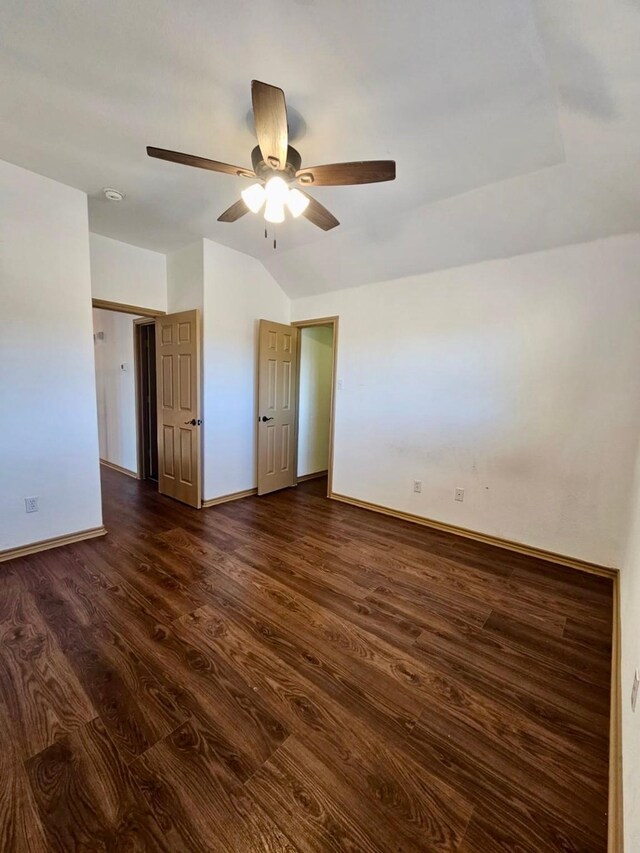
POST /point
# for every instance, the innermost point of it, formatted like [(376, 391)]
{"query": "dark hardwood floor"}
[(293, 674)]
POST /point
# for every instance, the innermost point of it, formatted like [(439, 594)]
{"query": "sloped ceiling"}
[(515, 125)]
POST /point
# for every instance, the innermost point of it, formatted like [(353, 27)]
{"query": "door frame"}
[(305, 324), (141, 317), (121, 308), (137, 366)]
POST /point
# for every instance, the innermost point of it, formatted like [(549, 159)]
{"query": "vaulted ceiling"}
[(515, 124)]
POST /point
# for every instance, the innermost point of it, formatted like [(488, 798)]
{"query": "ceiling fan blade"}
[(272, 130), (319, 215), (199, 162), (234, 212), (347, 174)]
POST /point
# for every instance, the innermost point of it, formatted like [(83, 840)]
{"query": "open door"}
[(277, 354), (178, 380)]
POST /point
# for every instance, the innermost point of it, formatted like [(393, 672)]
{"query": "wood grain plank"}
[(38, 688), (198, 804), (317, 808), (20, 827), (87, 799), (289, 587), (425, 805), (199, 683)]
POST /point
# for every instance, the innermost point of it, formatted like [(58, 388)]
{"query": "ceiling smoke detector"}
[(112, 195)]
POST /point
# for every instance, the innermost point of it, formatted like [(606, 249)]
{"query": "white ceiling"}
[(515, 125)]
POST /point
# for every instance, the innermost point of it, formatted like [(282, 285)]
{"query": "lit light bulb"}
[(276, 190), (274, 210), (254, 197), (297, 202)]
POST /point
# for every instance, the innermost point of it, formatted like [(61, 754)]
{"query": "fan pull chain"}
[(275, 244)]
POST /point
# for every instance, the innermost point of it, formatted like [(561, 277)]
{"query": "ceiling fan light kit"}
[(277, 166), (275, 195)]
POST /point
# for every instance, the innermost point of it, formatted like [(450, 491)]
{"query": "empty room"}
[(320, 426)]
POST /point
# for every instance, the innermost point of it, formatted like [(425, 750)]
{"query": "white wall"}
[(315, 369), (516, 380), (185, 279), (48, 430), (630, 620), (124, 273), (232, 291), (116, 388), (238, 293)]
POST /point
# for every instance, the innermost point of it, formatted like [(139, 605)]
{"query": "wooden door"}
[(179, 423), (277, 407)]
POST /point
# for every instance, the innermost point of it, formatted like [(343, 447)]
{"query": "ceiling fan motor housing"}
[(264, 171)]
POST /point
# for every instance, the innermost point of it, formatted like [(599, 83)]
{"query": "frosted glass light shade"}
[(276, 190), (274, 210), (254, 197), (297, 202)]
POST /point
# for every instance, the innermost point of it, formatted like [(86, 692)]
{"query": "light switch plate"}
[(634, 689)]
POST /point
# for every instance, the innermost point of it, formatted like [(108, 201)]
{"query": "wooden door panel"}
[(167, 452), (178, 367), (276, 396)]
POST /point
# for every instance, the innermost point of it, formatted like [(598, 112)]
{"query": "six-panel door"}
[(179, 418), (278, 348)]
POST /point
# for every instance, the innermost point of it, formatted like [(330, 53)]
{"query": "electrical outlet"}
[(459, 495), (31, 505), (634, 689), (417, 486)]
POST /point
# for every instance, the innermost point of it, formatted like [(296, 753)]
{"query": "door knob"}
[(194, 422), (265, 419)]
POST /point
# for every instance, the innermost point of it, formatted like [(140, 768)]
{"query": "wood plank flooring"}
[(292, 674)]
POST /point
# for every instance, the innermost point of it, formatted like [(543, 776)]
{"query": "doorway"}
[(146, 398), (148, 375), (124, 351), (315, 386), (296, 396)]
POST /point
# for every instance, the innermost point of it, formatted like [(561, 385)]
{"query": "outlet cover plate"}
[(459, 495), (31, 504)]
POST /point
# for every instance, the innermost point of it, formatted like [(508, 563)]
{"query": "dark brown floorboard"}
[(289, 674)]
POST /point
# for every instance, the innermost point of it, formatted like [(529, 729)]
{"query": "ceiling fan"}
[(277, 166)]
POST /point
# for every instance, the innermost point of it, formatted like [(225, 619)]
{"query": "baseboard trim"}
[(224, 499), (120, 469), (615, 835), (508, 544), (47, 544), (315, 476)]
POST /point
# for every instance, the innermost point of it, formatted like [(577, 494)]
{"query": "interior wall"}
[(630, 618), (513, 379), (128, 274), (49, 445), (116, 388), (238, 292), (185, 279), (314, 400)]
